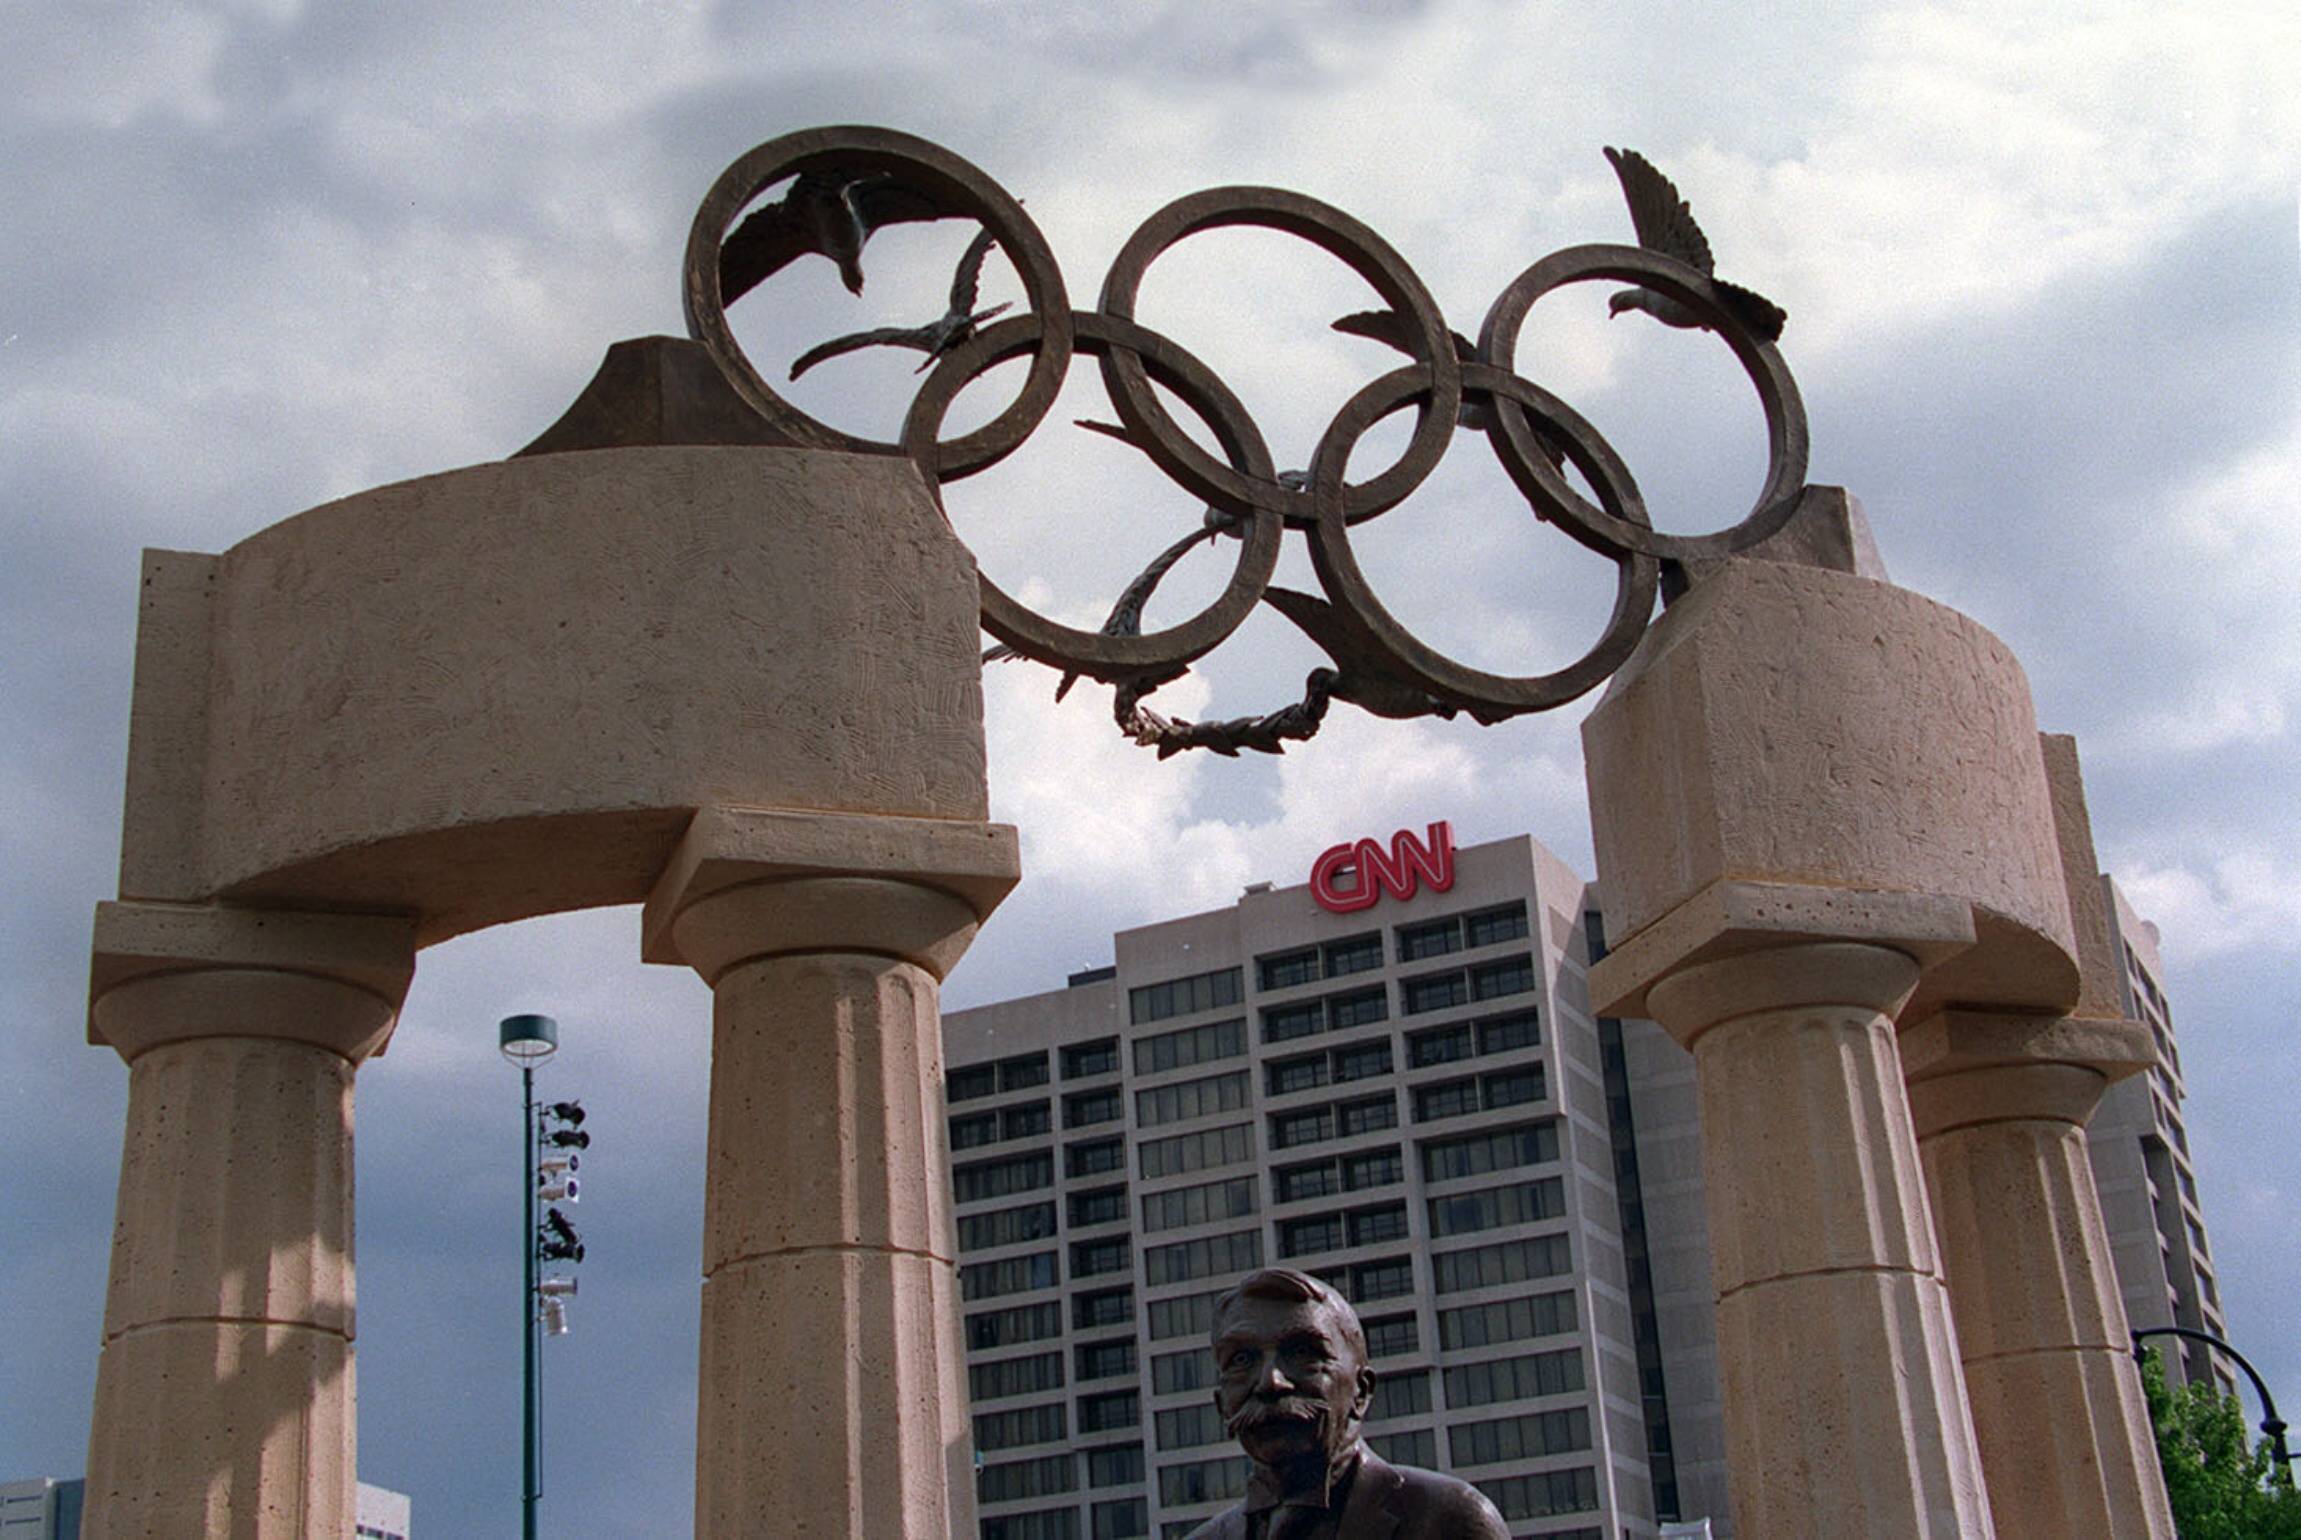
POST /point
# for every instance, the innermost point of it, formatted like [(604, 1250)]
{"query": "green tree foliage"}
[(2219, 1481)]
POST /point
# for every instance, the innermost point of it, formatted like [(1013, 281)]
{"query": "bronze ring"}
[(1457, 683), (1126, 372), (1114, 659), (1631, 529), (935, 170)]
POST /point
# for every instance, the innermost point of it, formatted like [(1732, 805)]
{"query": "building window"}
[(1284, 970), (1094, 1157), (1118, 1467), (1098, 1207), (1126, 1519), (1359, 1008), (1524, 1437), (1366, 1115), (1538, 1497), (1372, 1168), (1510, 976), (974, 1130), (1309, 1235), (1516, 1379), (1097, 1058), (1024, 1425), (1517, 1029), (1180, 997), (1004, 1227), (1435, 992), (1189, 1427), (1502, 1149), (1185, 1315), (1201, 1151), (1110, 1411), (1015, 1376), (1211, 1256), (1431, 938), (1191, 1370), (1415, 1446), (1285, 1022), (1113, 1254), (1042, 1477), (1447, 1099), (1507, 1320), (1402, 1394), (1354, 954), (1026, 1120), (1202, 1481), (964, 1085), (1045, 1524), (1286, 1076), (1008, 1275), (1191, 1099), (1495, 1207), (1391, 1278), (1022, 1072), (1513, 1087), (1309, 1126), (1186, 1046), (1230, 1198), (1363, 1062), (1371, 1226), (1103, 1307), (1020, 1323), (1490, 926), (999, 1178), (1541, 1256), (1089, 1107), (1391, 1336), (1105, 1360), (1313, 1180), (1439, 1045)]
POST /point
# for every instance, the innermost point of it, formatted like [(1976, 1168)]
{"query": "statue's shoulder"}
[(1230, 1524), (1434, 1504)]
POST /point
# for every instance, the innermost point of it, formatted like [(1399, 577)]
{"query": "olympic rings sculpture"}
[(843, 179)]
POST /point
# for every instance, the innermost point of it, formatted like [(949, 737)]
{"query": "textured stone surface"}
[(1788, 724), (1823, 1248), (503, 690)]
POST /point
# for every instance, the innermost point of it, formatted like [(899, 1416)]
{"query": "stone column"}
[(2000, 1104), (1818, 805), (831, 1398), (224, 1394), (2001, 1100)]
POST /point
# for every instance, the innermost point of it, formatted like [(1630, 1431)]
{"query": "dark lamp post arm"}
[(2272, 1425)]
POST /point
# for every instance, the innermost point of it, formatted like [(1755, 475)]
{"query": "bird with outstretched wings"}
[(937, 337), (826, 214), (1665, 224)]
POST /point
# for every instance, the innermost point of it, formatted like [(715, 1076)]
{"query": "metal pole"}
[(531, 1461), (2272, 1425)]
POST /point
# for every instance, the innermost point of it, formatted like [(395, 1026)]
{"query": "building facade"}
[(1400, 1089), (45, 1508)]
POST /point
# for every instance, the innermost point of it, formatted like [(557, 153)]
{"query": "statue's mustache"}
[(1282, 1409)]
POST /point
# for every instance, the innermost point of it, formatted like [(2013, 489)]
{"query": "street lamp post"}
[(527, 1041), (2272, 1425)]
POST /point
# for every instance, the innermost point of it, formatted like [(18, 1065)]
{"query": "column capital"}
[(162, 973), (750, 882), (1967, 1068)]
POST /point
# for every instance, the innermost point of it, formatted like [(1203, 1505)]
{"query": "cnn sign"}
[(1352, 876)]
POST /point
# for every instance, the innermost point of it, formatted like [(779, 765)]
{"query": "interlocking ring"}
[(1114, 659), (934, 170), (1346, 586), (1358, 248), (1631, 528)]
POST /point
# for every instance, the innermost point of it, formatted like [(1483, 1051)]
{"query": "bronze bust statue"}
[(1293, 1386)]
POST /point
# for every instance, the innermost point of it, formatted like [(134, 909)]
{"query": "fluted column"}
[(224, 1394), (831, 1397), (1833, 1324), (2000, 1104)]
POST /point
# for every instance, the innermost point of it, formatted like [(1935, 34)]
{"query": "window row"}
[(1180, 997), (1016, 1074), (1536, 1497), (1203, 1481), (1507, 1320), (1314, 1233), (1495, 1207), (1355, 1172), (1467, 1039), (1514, 1379), (1006, 1226), (1045, 1424), (1361, 1061), (1304, 965), (1328, 1013), (1192, 1099), (1232, 1197), (1415, 1446), (1461, 986), (1500, 1149), (1209, 1257), (1453, 932), (1480, 1093), (1336, 1120), (975, 1129), (1007, 1275), (1186, 1046), (1082, 1060), (1540, 1256)]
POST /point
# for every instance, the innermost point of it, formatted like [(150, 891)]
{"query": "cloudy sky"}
[(2041, 268)]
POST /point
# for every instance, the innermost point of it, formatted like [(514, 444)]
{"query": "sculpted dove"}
[(1665, 224)]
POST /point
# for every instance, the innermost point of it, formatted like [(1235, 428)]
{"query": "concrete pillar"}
[(1834, 1328), (2000, 1106), (832, 1396), (224, 1394), (1818, 805)]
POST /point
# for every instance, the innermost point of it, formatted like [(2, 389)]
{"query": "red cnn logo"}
[(1351, 877)]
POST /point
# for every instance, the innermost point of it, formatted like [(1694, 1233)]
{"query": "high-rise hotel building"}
[(1409, 1098)]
